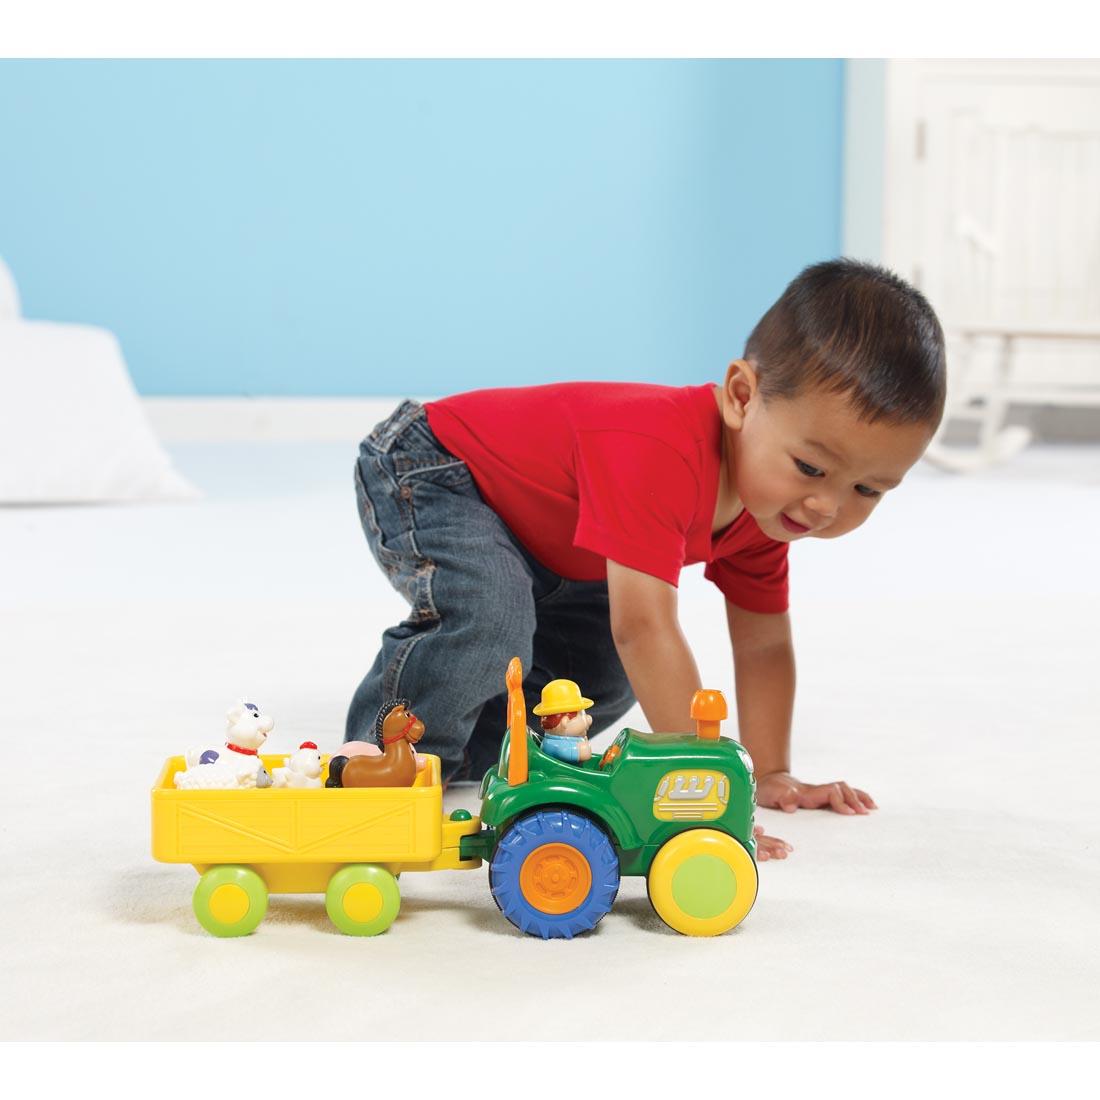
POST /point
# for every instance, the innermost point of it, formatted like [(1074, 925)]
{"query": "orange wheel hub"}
[(555, 878)]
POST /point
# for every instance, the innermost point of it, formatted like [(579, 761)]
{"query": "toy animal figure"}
[(369, 748), (398, 729), (237, 764), (565, 721), (303, 769)]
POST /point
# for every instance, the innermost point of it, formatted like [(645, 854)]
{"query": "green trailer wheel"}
[(230, 901), (362, 900)]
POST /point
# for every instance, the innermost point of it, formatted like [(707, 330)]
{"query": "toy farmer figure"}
[(564, 721)]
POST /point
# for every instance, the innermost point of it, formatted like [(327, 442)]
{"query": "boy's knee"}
[(486, 630)]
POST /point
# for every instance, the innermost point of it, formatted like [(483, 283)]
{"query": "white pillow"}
[(71, 425)]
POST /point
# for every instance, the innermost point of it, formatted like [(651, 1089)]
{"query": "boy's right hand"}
[(769, 847)]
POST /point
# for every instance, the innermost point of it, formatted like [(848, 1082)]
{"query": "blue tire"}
[(554, 873)]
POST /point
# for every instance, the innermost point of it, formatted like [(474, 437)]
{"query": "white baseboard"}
[(271, 419)]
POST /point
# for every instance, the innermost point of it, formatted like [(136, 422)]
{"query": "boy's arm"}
[(659, 662), (763, 657), (652, 647)]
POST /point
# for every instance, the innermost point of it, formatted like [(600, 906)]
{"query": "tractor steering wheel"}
[(610, 756)]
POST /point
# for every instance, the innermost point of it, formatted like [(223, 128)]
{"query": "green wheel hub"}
[(704, 886)]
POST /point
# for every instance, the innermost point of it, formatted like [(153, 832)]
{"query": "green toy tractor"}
[(674, 807)]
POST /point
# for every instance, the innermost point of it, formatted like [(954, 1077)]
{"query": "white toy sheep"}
[(237, 764), (303, 768)]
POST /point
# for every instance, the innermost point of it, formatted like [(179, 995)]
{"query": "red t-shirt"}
[(585, 471)]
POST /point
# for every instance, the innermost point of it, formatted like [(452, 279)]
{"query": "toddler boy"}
[(551, 523)]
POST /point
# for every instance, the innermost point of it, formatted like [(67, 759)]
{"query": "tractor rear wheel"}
[(555, 873)]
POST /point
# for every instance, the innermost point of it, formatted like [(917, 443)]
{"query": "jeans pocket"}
[(436, 466)]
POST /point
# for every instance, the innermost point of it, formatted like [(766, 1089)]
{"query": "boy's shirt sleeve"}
[(637, 497), (755, 577)]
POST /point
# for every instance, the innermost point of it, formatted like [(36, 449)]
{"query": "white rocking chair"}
[(1024, 279)]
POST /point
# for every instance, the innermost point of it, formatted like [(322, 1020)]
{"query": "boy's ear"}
[(738, 390)]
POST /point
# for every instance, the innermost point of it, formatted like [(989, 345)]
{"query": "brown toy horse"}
[(398, 729)]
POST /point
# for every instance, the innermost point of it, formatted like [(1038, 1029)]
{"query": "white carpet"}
[(948, 664)]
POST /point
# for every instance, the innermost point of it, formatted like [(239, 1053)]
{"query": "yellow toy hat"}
[(560, 697)]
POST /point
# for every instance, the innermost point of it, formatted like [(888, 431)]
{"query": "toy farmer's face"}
[(575, 726), (808, 467)]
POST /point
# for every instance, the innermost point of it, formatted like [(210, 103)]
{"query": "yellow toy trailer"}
[(348, 844)]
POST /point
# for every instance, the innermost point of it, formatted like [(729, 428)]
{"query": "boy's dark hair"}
[(853, 328)]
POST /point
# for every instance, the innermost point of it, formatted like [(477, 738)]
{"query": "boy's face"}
[(808, 467)]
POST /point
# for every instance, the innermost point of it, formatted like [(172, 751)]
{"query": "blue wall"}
[(387, 227)]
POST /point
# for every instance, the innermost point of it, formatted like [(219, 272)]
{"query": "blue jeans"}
[(476, 599)]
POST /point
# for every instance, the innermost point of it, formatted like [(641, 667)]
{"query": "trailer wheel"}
[(230, 901), (702, 882), (362, 899), (554, 874)]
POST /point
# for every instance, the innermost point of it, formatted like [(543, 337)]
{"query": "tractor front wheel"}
[(702, 882), (554, 874)]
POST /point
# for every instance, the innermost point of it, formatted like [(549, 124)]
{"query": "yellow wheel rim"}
[(702, 882), (228, 903), (363, 902)]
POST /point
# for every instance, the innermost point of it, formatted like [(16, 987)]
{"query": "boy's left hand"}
[(781, 791)]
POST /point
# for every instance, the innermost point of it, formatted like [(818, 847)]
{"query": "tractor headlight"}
[(747, 761)]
